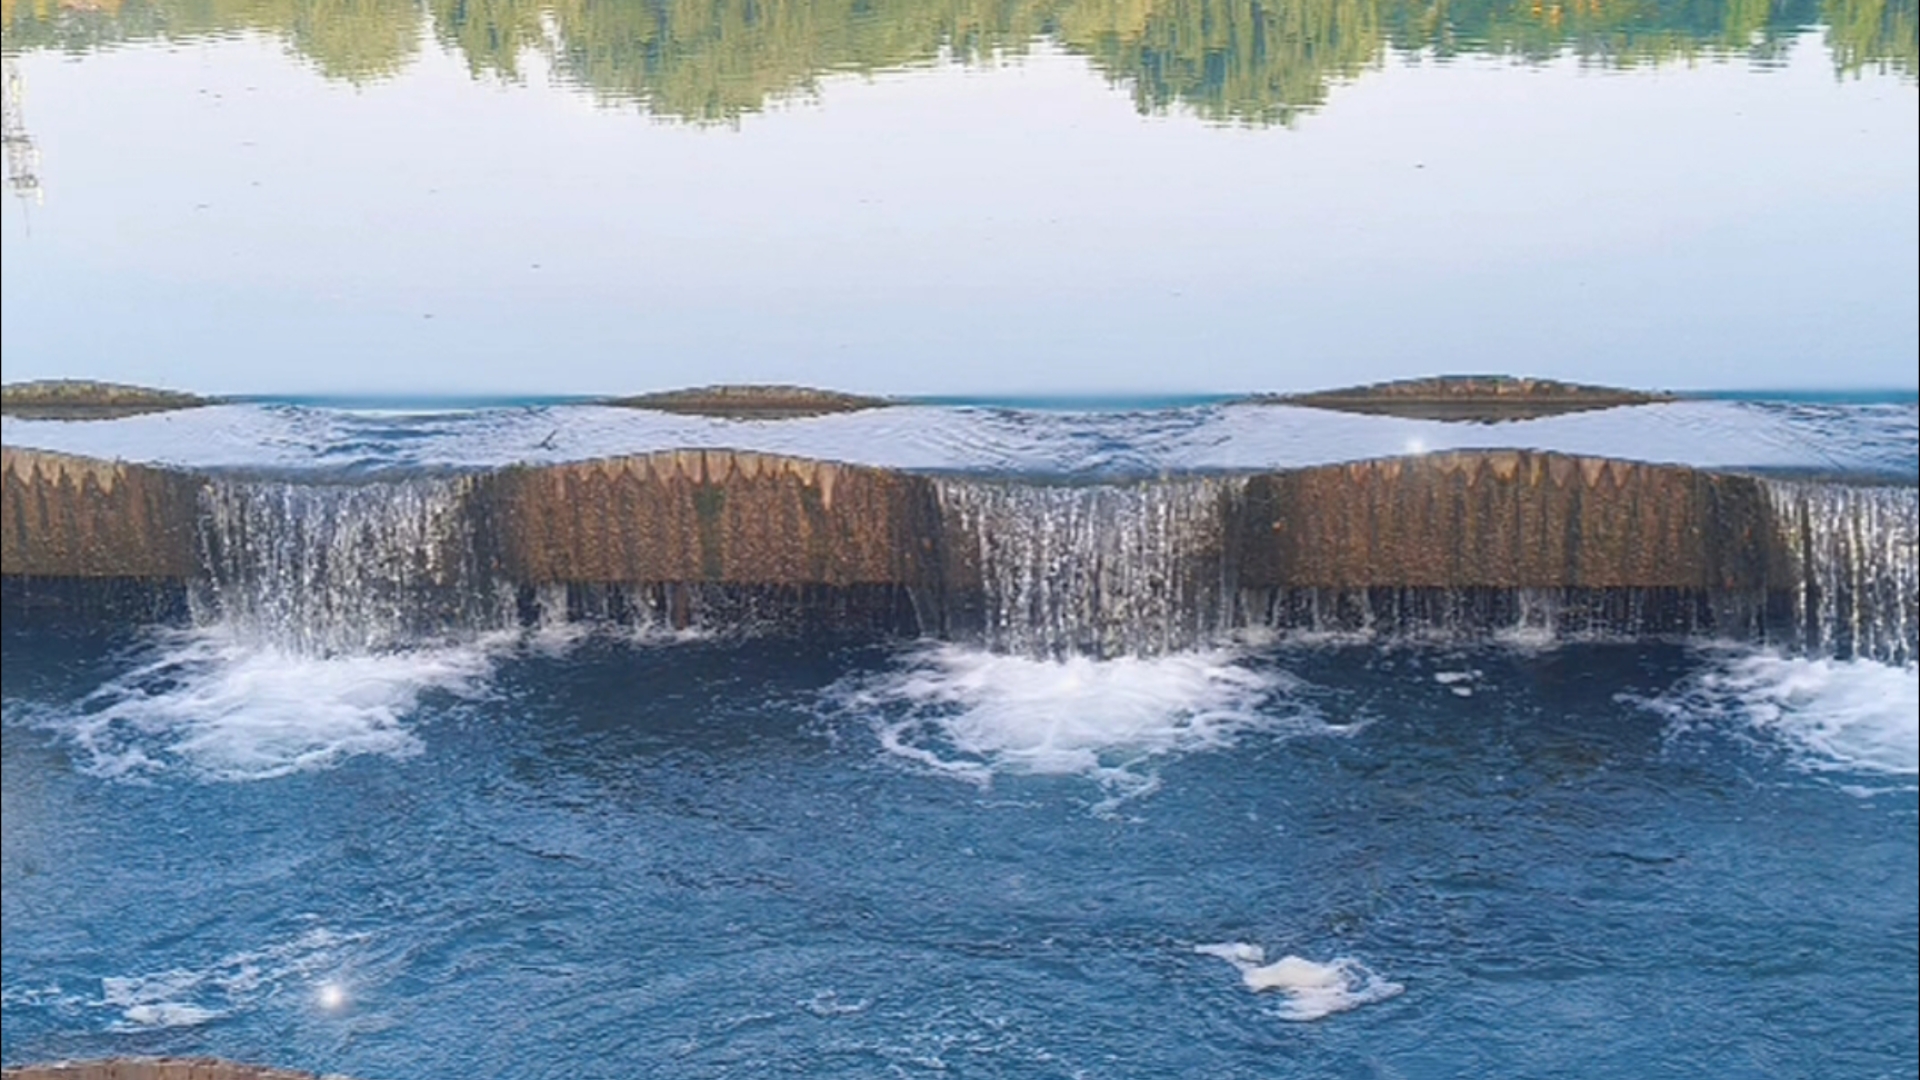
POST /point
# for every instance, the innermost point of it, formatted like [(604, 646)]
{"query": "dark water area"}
[(607, 857)]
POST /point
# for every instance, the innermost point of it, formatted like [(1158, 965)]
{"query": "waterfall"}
[(1032, 569), (1517, 614), (1101, 570), (1854, 553), (352, 567)]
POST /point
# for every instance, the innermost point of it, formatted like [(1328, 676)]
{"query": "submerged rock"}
[(752, 402), (1471, 398), (85, 399)]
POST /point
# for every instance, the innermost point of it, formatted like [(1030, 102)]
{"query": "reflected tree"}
[(1238, 61)]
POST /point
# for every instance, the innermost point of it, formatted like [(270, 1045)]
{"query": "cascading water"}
[(1032, 569), (1520, 615), (335, 568), (1106, 570), (1856, 555)]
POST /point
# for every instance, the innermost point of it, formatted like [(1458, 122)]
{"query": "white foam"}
[(225, 710), (1312, 989), (168, 1014), (187, 997), (971, 713), (1852, 715)]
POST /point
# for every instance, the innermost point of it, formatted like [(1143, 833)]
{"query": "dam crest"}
[(1455, 544)]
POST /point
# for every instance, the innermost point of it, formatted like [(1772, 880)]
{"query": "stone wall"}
[(1507, 519), (709, 516), (75, 517), (731, 520)]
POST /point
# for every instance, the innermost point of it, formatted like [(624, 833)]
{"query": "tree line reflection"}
[(1243, 61)]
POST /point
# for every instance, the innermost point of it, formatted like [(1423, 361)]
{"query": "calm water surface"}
[(1061, 197)]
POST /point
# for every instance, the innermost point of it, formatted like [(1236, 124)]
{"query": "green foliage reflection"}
[(1245, 61)]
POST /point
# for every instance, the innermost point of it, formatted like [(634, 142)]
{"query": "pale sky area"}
[(217, 217)]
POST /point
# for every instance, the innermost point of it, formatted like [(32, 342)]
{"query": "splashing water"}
[(225, 709), (1848, 715), (973, 714), (1109, 570), (1857, 559), (337, 568)]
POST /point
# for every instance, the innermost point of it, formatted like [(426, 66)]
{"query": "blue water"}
[(424, 238), (1879, 441), (615, 857)]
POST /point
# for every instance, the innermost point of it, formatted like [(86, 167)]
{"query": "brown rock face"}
[(752, 402), (80, 399), (1479, 398), (1504, 519), (710, 516), (75, 517)]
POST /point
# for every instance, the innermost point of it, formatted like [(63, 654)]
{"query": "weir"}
[(324, 568), (1108, 570), (1852, 582), (1458, 544)]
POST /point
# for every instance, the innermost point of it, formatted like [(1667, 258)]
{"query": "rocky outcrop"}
[(82, 399), (1474, 398), (751, 402)]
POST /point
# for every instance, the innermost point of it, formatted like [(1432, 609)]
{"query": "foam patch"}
[(1312, 990)]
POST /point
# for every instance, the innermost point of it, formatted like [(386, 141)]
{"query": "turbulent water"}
[(370, 808), (603, 857)]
